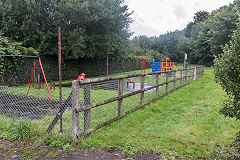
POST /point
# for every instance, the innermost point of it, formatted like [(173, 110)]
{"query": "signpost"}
[(185, 59)]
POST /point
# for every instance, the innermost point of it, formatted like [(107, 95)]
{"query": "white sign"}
[(185, 56)]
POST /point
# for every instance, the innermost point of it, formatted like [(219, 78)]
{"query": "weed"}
[(21, 130)]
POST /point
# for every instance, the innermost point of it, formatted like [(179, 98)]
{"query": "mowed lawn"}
[(184, 124)]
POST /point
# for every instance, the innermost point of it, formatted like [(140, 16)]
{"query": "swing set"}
[(37, 59)]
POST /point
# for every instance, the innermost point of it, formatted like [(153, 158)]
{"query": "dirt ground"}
[(23, 151)]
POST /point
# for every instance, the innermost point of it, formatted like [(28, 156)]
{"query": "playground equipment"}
[(168, 65), (81, 77), (37, 59), (40, 63), (131, 80), (143, 64)]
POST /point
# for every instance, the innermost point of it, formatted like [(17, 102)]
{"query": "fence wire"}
[(38, 107), (102, 102), (98, 103)]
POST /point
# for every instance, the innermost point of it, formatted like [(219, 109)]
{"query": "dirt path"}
[(22, 151)]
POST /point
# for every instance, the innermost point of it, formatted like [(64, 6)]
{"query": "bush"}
[(227, 74)]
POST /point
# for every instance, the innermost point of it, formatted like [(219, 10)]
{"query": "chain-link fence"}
[(48, 114), (100, 101), (91, 103)]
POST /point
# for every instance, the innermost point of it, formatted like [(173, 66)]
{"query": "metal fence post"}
[(87, 102), (142, 91), (75, 114), (157, 83), (120, 93)]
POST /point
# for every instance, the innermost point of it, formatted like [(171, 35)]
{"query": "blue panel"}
[(156, 66)]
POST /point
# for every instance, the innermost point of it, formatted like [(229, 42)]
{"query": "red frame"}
[(40, 63), (143, 63)]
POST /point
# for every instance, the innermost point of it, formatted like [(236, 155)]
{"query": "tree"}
[(227, 74), (210, 32), (90, 28), (200, 16)]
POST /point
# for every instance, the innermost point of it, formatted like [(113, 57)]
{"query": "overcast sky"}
[(155, 17)]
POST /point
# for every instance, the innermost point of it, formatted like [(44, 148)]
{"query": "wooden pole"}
[(142, 91), (181, 78), (75, 114), (120, 93), (174, 80), (60, 73), (166, 82), (157, 83)]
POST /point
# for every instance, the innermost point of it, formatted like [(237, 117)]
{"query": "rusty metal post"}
[(60, 73)]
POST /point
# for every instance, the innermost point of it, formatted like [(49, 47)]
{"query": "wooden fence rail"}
[(178, 78)]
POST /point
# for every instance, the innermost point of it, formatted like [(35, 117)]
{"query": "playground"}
[(100, 101), (181, 123)]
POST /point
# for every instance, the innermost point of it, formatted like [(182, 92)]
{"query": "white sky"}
[(155, 17)]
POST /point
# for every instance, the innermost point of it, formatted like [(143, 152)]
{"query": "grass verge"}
[(184, 124)]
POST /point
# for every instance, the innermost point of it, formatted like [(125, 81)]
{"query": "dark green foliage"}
[(210, 32), (11, 67), (172, 45), (227, 74), (91, 28), (202, 39), (200, 16)]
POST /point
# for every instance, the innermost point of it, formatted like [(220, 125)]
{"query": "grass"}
[(184, 124)]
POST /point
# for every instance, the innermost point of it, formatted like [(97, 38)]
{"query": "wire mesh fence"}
[(38, 107), (91, 103), (101, 101)]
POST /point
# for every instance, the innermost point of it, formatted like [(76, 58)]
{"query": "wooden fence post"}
[(87, 102), (75, 114), (203, 70), (189, 78), (157, 83), (181, 77), (174, 80), (166, 82), (120, 93), (197, 73), (142, 90)]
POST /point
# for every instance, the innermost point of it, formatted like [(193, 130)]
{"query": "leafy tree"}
[(210, 32), (200, 16), (227, 74), (90, 28)]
